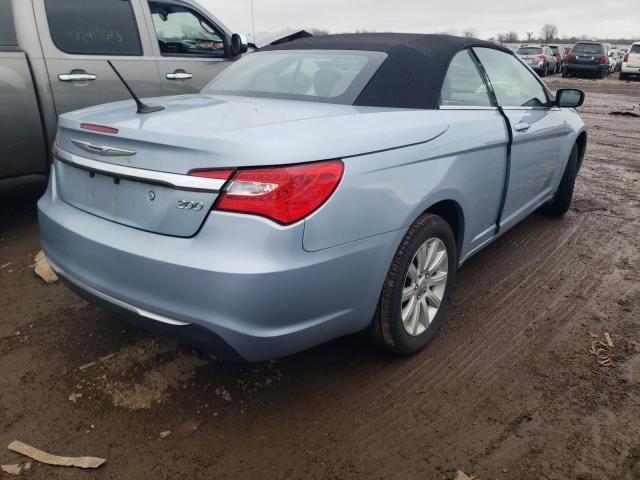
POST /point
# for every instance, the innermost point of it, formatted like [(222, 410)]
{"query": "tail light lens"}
[(603, 59), (283, 194), (541, 57), (626, 58)]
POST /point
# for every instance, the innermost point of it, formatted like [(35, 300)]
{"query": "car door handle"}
[(179, 75), (77, 77), (522, 127)]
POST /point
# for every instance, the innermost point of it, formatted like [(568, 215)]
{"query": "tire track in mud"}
[(558, 270), (477, 365)]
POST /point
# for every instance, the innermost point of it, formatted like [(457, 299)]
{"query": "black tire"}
[(602, 74), (543, 72), (622, 76), (387, 329), (565, 74), (561, 201)]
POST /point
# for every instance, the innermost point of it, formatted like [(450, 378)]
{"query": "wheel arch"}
[(451, 211)]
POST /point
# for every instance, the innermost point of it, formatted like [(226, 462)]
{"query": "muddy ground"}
[(508, 390)]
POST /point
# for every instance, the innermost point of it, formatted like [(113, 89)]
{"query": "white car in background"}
[(631, 62), (614, 61)]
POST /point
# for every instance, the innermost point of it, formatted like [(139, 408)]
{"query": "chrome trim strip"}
[(107, 298), (466, 107), (105, 151), (173, 180)]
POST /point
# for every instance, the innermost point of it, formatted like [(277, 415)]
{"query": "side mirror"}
[(238, 45), (569, 98)]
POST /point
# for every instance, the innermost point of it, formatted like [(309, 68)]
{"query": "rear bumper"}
[(242, 287), (627, 70), (586, 69)]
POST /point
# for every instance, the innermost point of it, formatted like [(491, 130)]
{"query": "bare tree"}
[(469, 33), (507, 37), (549, 32)]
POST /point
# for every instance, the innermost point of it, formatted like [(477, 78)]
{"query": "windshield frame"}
[(348, 97)]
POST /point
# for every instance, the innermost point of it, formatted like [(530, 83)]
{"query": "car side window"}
[(513, 83), (93, 27), (463, 85), (182, 31)]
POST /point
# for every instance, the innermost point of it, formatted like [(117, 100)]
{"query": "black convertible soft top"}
[(412, 75)]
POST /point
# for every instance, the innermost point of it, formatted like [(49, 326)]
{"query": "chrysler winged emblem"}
[(104, 150)]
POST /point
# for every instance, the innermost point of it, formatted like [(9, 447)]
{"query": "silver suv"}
[(540, 58)]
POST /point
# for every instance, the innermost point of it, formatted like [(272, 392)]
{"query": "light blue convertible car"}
[(314, 189)]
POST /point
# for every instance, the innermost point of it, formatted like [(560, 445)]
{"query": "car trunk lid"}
[(138, 175)]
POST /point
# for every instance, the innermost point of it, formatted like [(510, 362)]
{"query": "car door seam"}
[(507, 173)]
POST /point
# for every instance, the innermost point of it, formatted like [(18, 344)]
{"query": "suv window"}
[(7, 30), (529, 51), (513, 83), (588, 48), (93, 27), (635, 48), (183, 31), (463, 85)]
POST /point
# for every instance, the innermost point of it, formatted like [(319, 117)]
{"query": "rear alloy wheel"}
[(413, 302), (424, 286)]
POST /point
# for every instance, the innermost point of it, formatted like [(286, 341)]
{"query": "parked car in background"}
[(588, 59), (557, 52), (631, 62), (540, 58), (614, 63), (53, 59), (309, 191)]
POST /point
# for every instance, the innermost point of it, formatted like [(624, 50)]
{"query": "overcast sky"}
[(604, 18)]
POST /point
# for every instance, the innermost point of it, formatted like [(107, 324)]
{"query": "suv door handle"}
[(179, 75), (77, 76), (522, 127)]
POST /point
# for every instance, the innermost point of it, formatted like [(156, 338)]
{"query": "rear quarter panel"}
[(387, 191)]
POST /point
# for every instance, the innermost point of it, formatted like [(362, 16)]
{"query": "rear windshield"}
[(588, 48), (529, 51), (311, 75), (635, 49), (555, 49)]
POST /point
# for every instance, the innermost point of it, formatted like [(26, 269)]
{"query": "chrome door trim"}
[(466, 107), (114, 301), (173, 180), (77, 77), (179, 76)]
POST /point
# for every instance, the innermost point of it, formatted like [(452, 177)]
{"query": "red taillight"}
[(603, 59), (567, 57), (626, 58), (541, 57), (98, 128), (283, 194)]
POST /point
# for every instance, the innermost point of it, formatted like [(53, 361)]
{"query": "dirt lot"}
[(508, 390)]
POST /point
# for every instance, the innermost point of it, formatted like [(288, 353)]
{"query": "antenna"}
[(142, 107), (253, 23)]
